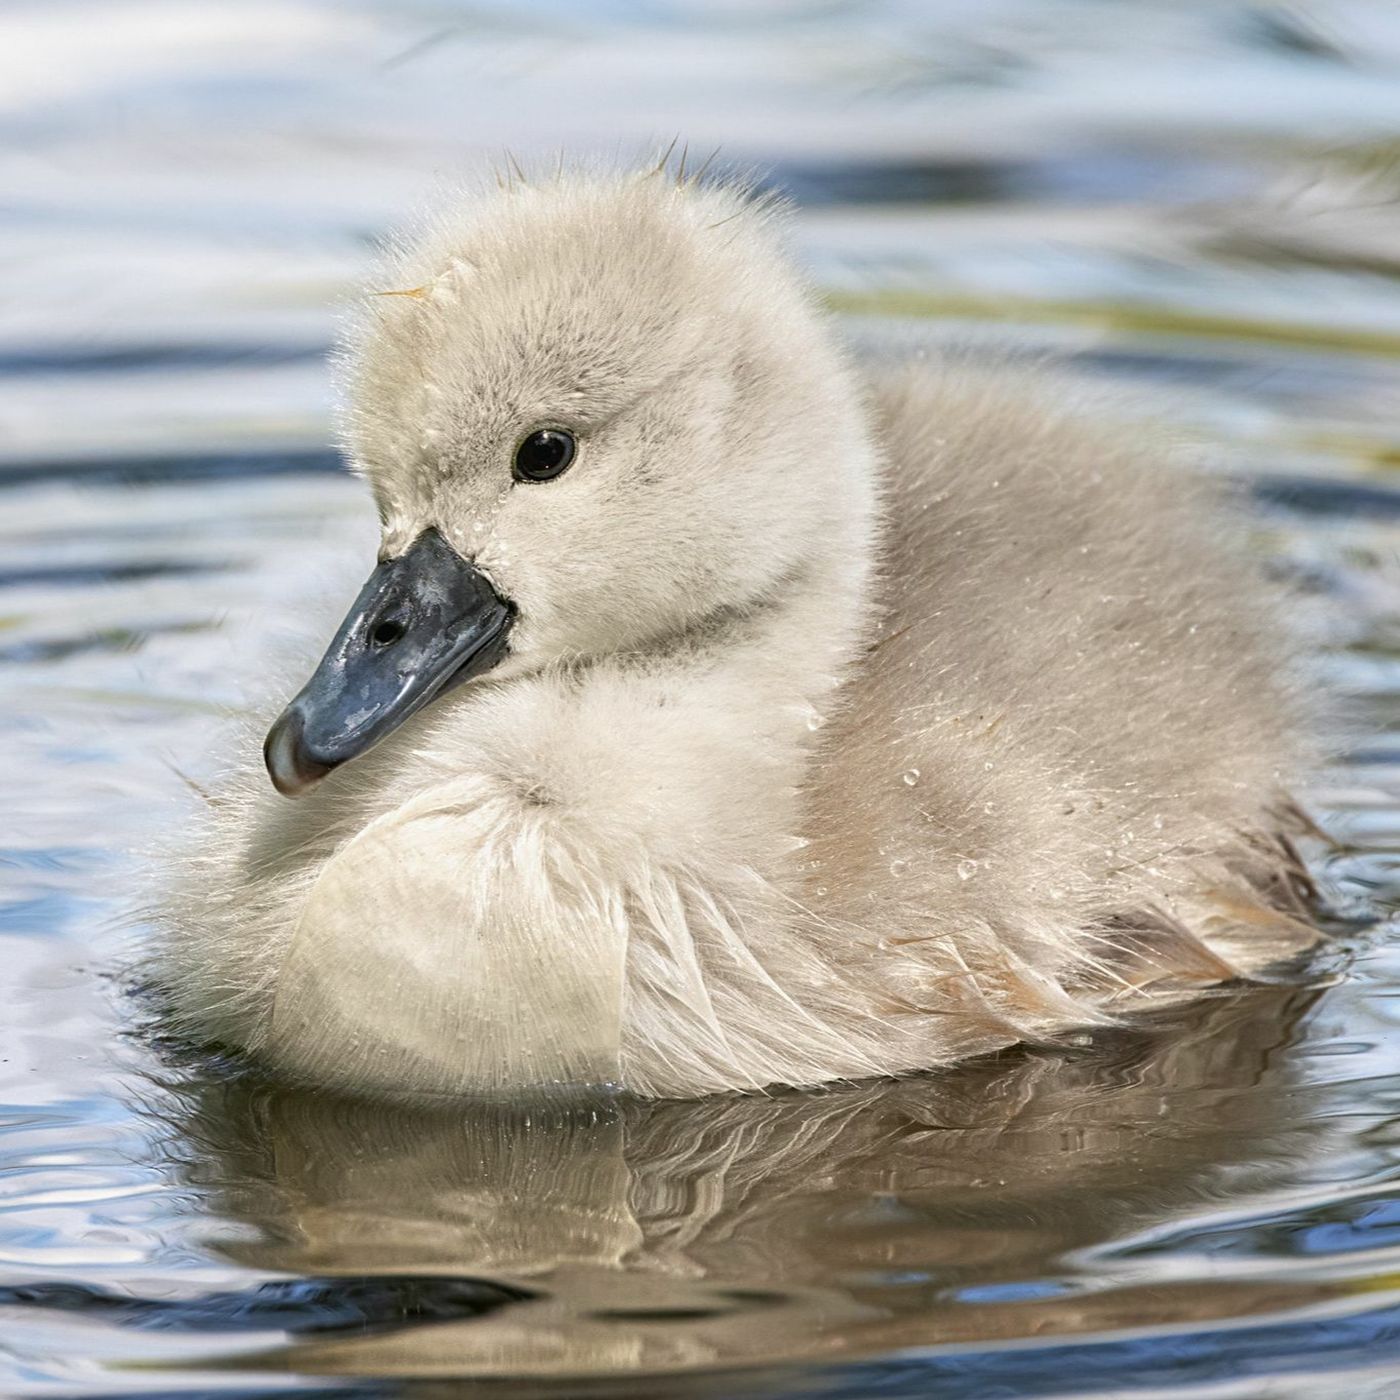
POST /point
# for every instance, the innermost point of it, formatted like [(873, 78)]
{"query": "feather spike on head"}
[(661, 164), (708, 162)]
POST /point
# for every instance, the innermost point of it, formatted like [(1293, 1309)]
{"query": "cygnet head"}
[(594, 412)]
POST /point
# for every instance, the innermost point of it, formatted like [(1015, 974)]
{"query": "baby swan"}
[(719, 720)]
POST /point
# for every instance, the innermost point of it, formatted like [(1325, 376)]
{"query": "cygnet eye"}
[(544, 455)]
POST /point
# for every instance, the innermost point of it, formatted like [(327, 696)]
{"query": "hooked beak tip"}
[(290, 767)]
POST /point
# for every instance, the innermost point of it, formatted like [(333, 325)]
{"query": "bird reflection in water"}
[(628, 1237)]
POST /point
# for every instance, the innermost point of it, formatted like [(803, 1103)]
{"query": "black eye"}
[(544, 455)]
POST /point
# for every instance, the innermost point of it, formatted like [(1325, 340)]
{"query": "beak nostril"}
[(386, 632)]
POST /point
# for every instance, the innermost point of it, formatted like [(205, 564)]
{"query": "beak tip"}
[(290, 767)]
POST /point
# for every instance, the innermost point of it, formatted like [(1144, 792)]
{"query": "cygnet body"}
[(719, 716)]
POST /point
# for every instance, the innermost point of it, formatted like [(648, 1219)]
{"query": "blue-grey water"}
[(1196, 202)]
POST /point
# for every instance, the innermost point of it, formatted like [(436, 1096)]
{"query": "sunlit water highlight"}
[(1193, 202)]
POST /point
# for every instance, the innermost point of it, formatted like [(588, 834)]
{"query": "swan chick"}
[(720, 715)]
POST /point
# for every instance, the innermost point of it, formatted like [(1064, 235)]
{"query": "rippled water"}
[(1197, 201)]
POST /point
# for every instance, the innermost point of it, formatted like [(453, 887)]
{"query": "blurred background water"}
[(1195, 200)]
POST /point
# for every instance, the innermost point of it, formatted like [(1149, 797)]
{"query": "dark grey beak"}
[(423, 623)]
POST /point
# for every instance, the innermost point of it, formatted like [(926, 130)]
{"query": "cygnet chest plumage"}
[(803, 726)]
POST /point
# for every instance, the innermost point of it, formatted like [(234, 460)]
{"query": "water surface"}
[(1195, 203)]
